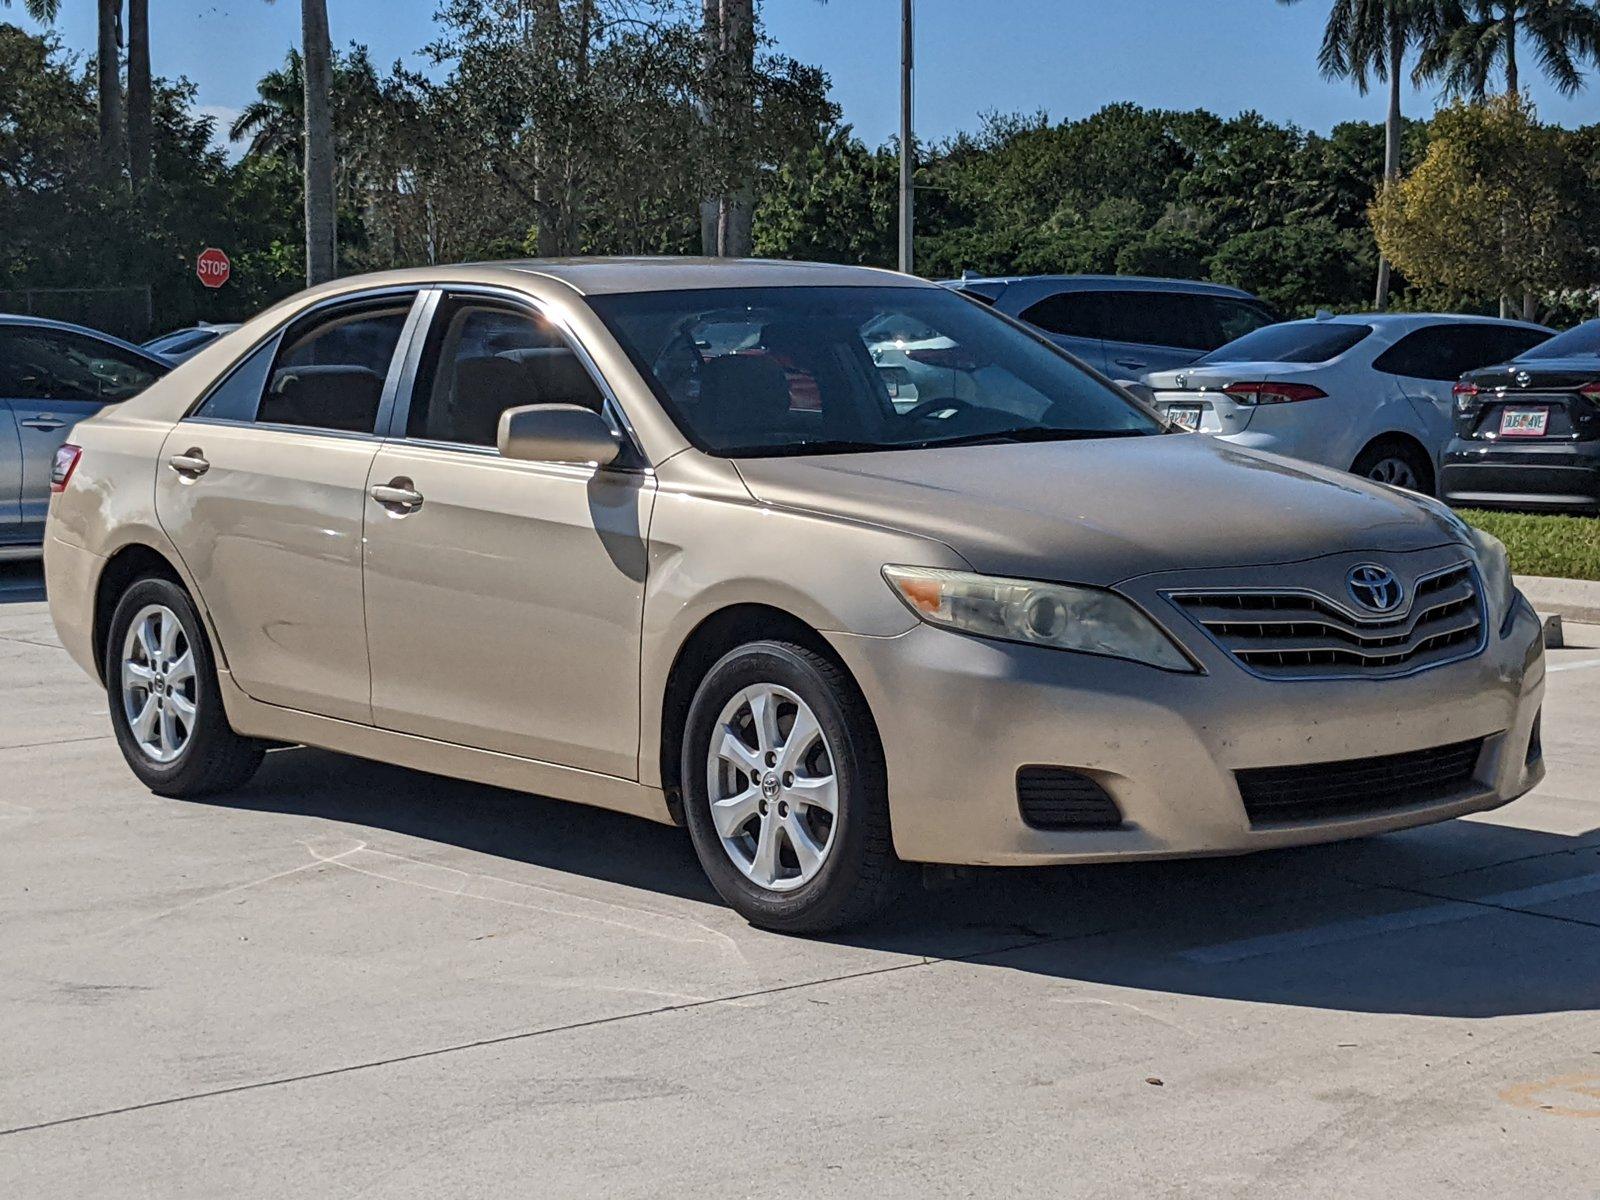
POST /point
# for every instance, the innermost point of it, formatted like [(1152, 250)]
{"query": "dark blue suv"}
[(1125, 325)]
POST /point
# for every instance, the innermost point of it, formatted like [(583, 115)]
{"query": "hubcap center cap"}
[(769, 785)]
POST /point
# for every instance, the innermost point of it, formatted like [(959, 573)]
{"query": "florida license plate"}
[(1184, 416), (1524, 422)]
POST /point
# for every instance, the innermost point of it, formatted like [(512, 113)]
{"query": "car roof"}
[(1413, 320), (19, 319), (598, 276), (1111, 283)]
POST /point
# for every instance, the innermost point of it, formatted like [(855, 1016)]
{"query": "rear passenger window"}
[(238, 396), (1069, 314), (1444, 352), (330, 371), (1160, 319), (482, 359), (1235, 318)]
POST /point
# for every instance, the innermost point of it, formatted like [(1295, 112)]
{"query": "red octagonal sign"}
[(213, 267)]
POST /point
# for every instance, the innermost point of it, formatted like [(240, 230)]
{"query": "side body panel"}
[(504, 612), (10, 477), (272, 536)]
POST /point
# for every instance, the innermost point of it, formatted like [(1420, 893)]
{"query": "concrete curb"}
[(1572, 599)]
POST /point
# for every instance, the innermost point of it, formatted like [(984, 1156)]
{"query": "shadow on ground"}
[(21, 582), (1420, 922)]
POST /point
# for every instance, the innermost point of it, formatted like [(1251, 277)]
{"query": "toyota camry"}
[(656, 535)]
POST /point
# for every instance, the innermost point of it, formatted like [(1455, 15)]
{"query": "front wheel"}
[(166, 709), (784, 791)]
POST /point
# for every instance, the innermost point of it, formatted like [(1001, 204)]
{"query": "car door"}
[(504, 598), (51, 379), (263, 491), (1073, 319), (10, 479), (1427, 362), (1147, 330)]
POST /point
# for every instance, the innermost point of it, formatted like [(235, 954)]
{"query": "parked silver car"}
[(1124, 325), (52, 375), (653, 535)]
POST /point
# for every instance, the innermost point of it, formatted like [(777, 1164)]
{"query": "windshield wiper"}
[(1032, 434)]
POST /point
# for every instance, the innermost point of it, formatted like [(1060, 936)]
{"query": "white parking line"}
[(1575, 666), (1363, 927)]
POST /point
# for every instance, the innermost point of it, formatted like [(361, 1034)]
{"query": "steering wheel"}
[(927, 408)]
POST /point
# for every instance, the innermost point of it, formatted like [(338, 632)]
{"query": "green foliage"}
[(1501, 204), (1564, 547)]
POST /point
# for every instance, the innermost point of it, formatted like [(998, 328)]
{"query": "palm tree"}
[(108, 77), (1368, 39), (1480, 37), (42, 11), (139, 99), (317, 52), (729, 59)]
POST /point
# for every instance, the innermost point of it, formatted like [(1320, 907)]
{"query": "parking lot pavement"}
[(352, 979)]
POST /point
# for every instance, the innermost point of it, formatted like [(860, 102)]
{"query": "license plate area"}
[(1185, 416), (1524, 422)]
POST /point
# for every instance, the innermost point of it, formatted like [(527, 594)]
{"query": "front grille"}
[(1300, 634), (1356, 786), (1061, 798)]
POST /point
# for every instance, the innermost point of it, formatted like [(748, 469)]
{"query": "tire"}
[(760, 870), (1395, 462), (186, 748)]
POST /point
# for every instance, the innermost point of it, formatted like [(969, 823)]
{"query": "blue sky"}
[(1066, 57)]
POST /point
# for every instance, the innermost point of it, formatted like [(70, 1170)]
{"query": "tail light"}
[(1590, 390), (1466, 395), (1269, 392), (66, 462)]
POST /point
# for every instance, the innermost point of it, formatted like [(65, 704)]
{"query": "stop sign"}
[(213, 267)]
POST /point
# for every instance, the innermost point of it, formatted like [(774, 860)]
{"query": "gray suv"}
[(1125, 325)]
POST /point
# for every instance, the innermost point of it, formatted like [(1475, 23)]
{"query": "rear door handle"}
[(1133, 364), (191, 464), (45, 423), (397, 494)]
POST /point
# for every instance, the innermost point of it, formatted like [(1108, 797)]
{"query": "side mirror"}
[(567, 433)]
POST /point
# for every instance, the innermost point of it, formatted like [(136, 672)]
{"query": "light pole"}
[(907, 168)]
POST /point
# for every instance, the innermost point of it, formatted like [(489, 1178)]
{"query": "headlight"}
[(1494, 565), (1040, 614)]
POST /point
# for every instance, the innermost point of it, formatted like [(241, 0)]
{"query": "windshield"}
[(817, 370), (1294, 342), (1581, 340)]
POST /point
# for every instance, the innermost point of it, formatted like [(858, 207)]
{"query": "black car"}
[(1527, 432)]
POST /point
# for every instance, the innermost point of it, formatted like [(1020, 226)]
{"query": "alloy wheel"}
[(160, 697), (774, 796), (1395, 471)]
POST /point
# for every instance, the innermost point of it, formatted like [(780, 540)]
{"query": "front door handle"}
[(44, 422), (397, 495), (191, 464)]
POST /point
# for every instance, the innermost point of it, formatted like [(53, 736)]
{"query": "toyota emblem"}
[(1375, 587)]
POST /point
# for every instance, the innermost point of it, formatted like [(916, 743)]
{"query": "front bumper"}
[(959, 715), (1563, 475)]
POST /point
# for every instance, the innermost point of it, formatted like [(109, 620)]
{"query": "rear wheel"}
[(1396, 463), (166, 709), (784, 791)]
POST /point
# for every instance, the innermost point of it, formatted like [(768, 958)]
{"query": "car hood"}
[(1104, 510)]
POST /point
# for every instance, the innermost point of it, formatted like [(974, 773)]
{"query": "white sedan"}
[(1365, 393)]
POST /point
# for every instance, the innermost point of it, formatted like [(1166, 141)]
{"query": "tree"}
[(1370, 38), (42, 11), (317, 49), (728, 98), (108, 71), (1480, 36), (139, 115), (1498, 205)]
